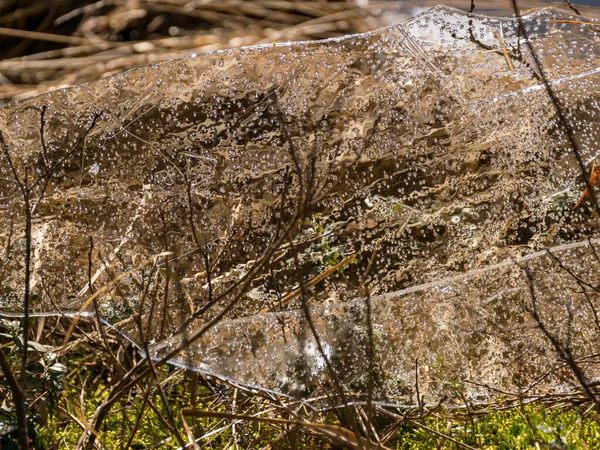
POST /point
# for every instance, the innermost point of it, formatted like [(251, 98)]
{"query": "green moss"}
[(515, 428)]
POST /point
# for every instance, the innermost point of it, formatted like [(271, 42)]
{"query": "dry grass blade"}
[(310, 283), (574, 22), (158, 29), (505, 51), (69, 40)]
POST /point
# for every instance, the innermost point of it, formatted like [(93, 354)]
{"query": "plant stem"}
[(18, 400)]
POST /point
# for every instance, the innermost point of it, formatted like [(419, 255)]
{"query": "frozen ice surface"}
[(423, 164), (474, 328)]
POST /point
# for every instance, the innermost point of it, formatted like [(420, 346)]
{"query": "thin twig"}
[(559, 111)]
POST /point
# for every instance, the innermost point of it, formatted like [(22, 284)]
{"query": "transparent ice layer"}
[(474, 331), (228, 207)]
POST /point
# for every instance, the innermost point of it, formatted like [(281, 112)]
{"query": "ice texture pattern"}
[(354, 212)]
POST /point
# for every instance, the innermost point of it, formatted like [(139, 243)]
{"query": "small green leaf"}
[(37, 346), (18, 340), (7, 428), (545, 429), (58, 367)]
